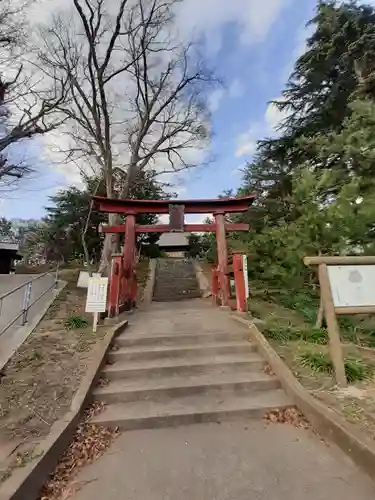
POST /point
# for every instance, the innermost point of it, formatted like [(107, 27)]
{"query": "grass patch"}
[(316, 361), (75, 322), (315, 336), (355, 369), (282, 334), (306, 304)]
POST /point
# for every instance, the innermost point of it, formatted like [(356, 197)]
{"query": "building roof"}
[(6, 245), (174, 240)]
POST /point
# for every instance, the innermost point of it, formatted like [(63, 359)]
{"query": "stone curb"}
[(327, 422), (204, 285), (149, 288), (25, 483)]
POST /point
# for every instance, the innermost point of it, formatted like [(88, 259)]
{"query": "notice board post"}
[(346, 287)]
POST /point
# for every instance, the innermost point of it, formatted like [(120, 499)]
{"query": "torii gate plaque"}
[(123, 291)]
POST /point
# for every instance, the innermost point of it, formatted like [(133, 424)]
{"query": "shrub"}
[(74, 322)]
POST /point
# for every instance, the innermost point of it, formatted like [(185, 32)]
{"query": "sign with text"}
[(352, 286), (96, 301), (245, 275)]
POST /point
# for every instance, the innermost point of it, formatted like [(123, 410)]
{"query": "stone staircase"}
[(165, 370), (175, 279)]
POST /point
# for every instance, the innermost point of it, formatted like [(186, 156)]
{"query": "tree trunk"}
[(111, 245)]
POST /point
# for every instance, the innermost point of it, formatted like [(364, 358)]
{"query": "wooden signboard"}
[(346, 287), (96, 300)]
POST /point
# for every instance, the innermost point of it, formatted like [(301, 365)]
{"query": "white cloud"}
[(268, 126), (236, 88), (274, 117), (246, 143), (300, 47), (215, 99), (254, 19)]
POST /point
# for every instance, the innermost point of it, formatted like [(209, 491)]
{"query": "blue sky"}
[(253, 44)]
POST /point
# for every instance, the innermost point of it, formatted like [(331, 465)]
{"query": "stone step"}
[(187, 351), (175, 298), (190, 410), (173, 282), (223, 363), (182, 276), (175, 289), (124, 340), (155, 389)]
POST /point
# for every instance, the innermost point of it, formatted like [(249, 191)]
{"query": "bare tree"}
[(137, 94), (27, 108)]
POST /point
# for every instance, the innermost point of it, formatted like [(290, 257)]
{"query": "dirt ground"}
[(39, 382), (357, 404)]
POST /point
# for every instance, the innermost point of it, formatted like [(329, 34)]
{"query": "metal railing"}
[(26, 298)]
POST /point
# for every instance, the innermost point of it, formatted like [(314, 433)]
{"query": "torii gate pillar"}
[(222, 257)]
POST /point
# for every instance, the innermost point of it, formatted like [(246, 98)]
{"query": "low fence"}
[(15, 304)]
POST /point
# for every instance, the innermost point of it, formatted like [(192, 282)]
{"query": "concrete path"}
[(239, 459), (246, 460), (11, 306)]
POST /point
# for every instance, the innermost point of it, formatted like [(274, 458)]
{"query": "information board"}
[(352, 286), (96, 301), (246, 275)]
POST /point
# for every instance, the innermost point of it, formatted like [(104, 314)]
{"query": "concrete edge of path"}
[(149, 288), (25, 331), (203, 283), (327, 422), (26, 482)]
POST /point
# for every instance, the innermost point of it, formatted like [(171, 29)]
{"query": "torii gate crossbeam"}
[(122, 294)]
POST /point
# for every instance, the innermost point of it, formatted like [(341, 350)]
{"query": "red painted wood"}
[(114, 286), (215, 285), (129, 262), (222, 258), (162, 206), (239, 281), (164, 228)]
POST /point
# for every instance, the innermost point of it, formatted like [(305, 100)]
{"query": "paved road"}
[(11, 306), (247, 460)]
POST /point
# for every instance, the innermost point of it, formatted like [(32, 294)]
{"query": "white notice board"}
[(245, 275), (352, 286), (97, 295)]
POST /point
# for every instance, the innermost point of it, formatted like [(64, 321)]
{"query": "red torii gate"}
[(123, 289)]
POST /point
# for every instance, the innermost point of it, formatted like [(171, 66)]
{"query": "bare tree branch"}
[(136, 94)]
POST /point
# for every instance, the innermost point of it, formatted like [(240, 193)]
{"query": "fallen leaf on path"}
[(290, 416), (89, 443)]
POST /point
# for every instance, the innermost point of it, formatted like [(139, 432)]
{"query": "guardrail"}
[(27, 298)]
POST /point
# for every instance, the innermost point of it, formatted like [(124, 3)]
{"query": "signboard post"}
[(96, 301), (346, 287)]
